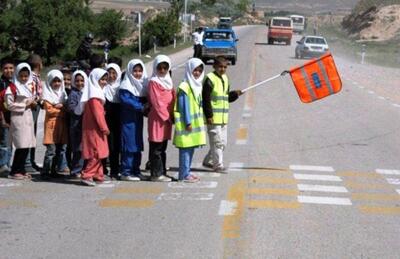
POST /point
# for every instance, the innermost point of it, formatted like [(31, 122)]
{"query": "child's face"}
[(56, 83), (79, 82), (67, 80), (221, 68), (23, 76), (137, 72), (197, 72), (8, 70), (112, 75), (103, 81), (162, 69)]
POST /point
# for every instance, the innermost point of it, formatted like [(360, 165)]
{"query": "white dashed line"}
[(9, 184), (388, 171), (316, 177), (381, 97), (311, 168), (227, 208), (398, 191), (396, 105), (371, 92), (321, 188), (198, 185), (394, 181), (186, 196), (324, 200), (246, 115), (241, 142)]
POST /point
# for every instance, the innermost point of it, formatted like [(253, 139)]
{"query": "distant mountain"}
[(307, 6)]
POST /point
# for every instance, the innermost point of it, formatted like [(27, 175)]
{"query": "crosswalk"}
[(294, 187)]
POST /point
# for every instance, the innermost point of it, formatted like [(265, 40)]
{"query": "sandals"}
[(17, 176), (191, 179)]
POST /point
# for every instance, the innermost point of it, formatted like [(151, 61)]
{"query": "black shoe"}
[(36, 167), (147, 167), (45, 177), (56, 175), (142, 177)]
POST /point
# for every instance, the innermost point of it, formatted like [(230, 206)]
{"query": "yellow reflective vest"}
[(196, 137), (219, 98)]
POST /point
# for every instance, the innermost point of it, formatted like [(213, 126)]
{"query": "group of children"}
[(101, 116)]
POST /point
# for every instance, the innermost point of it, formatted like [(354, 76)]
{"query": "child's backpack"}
[(3, 105)]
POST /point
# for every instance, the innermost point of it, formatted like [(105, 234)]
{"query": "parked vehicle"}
[(225, 23), (219, 42), (299, 23), (280, 29), (311, 46)]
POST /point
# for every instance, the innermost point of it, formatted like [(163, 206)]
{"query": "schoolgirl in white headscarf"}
[(93, 90), (27, 88), (137, 87), (195, 84), (166, 80), (54, 96), (111, 89)]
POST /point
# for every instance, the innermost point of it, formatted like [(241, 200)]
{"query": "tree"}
[(111, 26), (208, 2), (242, 5)]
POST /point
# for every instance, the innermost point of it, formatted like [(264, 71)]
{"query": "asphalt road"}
[(316, 180)]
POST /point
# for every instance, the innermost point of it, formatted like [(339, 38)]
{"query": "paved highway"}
[(318, 180)]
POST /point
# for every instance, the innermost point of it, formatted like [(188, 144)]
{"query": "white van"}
[(299, 23)]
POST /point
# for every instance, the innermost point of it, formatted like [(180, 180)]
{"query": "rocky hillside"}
[(375, 23)]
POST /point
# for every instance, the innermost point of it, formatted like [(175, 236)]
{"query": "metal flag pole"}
[(265, 81)]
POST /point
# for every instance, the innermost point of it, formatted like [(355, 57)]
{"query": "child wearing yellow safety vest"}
[(189, 121), (216, 99)]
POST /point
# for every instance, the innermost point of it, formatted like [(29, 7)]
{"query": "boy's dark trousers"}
[(51, 158), (158, 158), (114, 139), (18, 165)]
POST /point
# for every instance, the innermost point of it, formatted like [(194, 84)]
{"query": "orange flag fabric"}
[(316, 79)]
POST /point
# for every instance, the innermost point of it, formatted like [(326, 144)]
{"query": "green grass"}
[(385, 53)]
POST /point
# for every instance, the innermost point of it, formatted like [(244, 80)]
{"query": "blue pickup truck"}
[(219, 42)]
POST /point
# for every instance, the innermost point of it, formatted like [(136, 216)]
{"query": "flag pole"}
[(265, 81)]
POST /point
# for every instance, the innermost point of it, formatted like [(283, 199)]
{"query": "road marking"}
[(227, 208), (246, 115), (354, 83), (381, 97), (371, 92), (105, 185), (396, 105), (272, 204), (272, 180), (9, 184), (196, 165), (359, 174), (242, 135), (108, 203), (248, 101), (324, 200), (317, 177), (198, 185), (388, 171), (149, 190), (321, 188), (356, 185), (394, 181), (379, 210), (360, 86), (186, 196), (375, 196), (311, 168), (398, 191), (17, 203), (235, 166), (273, 191), (200, 174)]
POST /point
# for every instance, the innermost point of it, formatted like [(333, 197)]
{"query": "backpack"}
[(3, 105)]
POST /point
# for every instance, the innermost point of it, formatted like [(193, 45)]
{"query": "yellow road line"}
[(273, 204), (359, 174), (272, 180), (108, 203), (375, 186), (267, 191), (149, 190), (23, 203), (242, 133), (379, 210), (375, 196)]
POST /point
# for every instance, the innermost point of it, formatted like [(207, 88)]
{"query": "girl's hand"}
[(106, 132), (58, 105), (189, 127)]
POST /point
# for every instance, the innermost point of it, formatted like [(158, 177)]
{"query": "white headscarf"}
[(51, 95), (165, 81), (137, 87), (27, 89), (111, 90), (93, 90), (85, 79), (195, 84)]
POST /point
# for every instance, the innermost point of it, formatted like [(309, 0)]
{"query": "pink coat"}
[(94, 127), (161, 112)]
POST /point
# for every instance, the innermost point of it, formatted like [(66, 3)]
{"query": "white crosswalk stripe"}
[(311, 168), (321, 188), (324, 200), (316, 177)]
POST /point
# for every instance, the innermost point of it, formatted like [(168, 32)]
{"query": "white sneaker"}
[(130, 178), (161, 178)]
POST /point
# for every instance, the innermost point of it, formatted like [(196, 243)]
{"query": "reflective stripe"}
[(325, 75), (192, 117), (220, 110), (185, 132), (308, 84), (220, 98)]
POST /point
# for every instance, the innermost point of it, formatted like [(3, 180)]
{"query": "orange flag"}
[(316, 79)]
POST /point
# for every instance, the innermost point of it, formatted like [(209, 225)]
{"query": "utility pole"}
[(185, 22), (140, 34)]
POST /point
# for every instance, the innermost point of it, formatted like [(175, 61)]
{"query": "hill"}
[(308, 6)]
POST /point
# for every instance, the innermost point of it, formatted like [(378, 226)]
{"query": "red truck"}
[(280, 29)]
